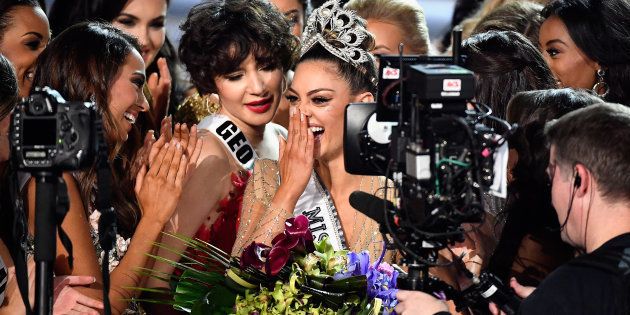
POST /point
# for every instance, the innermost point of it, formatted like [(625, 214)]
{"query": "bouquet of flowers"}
[(296, 275)]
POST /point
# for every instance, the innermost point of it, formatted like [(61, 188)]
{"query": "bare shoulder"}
[(212, 147)]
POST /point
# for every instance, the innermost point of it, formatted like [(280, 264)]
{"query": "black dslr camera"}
[(49, 133)]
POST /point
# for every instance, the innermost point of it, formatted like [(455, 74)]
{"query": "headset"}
[(578, 180)]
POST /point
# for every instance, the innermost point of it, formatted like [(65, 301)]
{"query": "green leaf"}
[(219, 300), (324, 246)]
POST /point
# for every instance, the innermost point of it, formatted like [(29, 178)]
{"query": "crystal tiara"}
[(337, 30)]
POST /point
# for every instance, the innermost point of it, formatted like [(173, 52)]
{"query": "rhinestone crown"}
[(337, 30)]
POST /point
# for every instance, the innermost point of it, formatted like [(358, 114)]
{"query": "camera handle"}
[(45, 239)]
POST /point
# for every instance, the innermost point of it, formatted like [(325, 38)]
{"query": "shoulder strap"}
[(20, 233), (232, 138)]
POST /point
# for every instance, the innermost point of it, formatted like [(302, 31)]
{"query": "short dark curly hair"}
[(219, 35)]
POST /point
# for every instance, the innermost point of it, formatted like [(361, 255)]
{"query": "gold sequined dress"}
[(261, 221)]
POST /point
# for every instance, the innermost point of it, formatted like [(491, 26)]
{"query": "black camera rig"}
[(428, 136), (50, 136)]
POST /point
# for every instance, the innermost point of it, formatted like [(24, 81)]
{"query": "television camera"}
[(427, 135)]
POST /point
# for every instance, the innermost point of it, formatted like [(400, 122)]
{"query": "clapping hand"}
[(158, 187), (190, 142), (160, 87)]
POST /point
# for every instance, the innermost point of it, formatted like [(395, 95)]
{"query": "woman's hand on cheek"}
[(296, 156)]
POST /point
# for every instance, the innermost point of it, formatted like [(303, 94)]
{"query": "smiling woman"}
[(239, 50), (310, 178), (143, 19), (23, 35), (70, 65), (585, 43)]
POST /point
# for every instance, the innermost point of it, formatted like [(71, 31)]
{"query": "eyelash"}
[(552, 52), (236, 77), (127, 22), (293, 18), (33, 45), (291, 98), (157, 24), (320, 100), (138, 82)]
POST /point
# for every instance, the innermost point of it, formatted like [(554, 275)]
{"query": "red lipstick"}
[(260, 106)]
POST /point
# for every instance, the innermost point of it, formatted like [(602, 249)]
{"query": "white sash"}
[(316, 204), (232, 138), (315, 201)]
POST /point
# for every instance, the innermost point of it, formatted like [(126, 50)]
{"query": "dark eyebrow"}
[(38, 35), (291, 11), (381, 46), (290, 89), (554, 41), (133, 17), (319, 90)]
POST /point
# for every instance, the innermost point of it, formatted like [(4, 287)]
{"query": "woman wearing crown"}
[(334, 69)]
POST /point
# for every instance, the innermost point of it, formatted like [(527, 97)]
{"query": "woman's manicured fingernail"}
[(301, 117)]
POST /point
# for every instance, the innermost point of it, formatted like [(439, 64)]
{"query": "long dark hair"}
[(601, 30), (81, 64), (521, 17), (8, 100), (504, 63), (65, 13), (528, 209)]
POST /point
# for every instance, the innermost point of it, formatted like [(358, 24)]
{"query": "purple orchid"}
[(381, 277), (296, 237), (358, 265), (253, 255), (381, 280)]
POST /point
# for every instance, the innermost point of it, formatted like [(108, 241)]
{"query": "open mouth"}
[(130, 118), (317, 132)]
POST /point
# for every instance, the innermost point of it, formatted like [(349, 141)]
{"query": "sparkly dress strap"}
[(257, 210)]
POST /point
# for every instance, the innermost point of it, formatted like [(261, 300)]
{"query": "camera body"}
[(50, 134)]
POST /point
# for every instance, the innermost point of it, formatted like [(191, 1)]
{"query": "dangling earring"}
[(601, 87)]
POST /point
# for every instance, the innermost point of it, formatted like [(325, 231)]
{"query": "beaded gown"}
[(258, 212)]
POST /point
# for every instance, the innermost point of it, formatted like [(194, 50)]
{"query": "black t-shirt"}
[(577, 288)]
